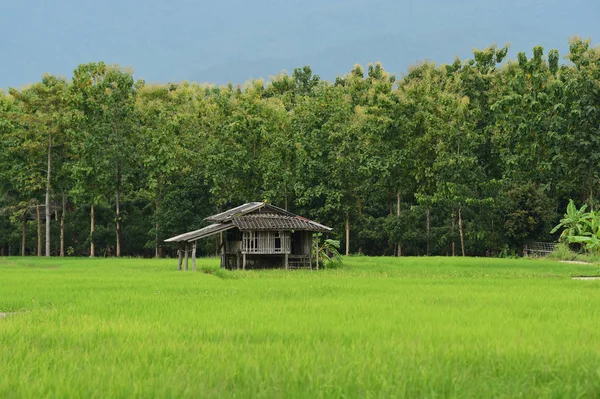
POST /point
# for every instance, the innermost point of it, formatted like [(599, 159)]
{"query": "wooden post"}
[(317, 251), (179, 255), (244, 261), (286, 261), (194, 256), (223, 253), (187, 250)]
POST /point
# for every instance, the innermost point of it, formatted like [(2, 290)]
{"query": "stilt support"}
[(194, 256), (187, 250), (317, 252), (179, 255)]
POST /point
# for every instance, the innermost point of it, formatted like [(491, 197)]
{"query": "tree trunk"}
[(460, 231), (398, 214), (39, 229), (92, 228), (62, 226), (347, 234), (156, 252), (427, 216), (24, 233), (47, 203), (453, 243), (118, 211)]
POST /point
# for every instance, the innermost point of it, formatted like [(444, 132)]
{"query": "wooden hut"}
[(256, 235)]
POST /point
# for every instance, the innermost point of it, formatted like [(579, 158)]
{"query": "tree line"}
[(473, 158)]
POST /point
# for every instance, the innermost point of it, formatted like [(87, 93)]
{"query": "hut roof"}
[(246, 209), (269, 221), (252, 216)]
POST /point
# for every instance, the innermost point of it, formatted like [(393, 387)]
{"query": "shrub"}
[(563, 252)]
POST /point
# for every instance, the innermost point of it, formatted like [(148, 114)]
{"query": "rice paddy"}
[(377, 327)]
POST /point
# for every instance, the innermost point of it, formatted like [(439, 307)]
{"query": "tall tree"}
[(106, 97), (45, 114)]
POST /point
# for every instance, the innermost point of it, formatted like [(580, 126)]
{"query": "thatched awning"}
[(204, 232)]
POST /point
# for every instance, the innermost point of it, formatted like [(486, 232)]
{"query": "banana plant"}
[(590, 237), (591, 242), (575, 222), (328, 250)]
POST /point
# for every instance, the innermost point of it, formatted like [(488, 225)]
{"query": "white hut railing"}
[(266, 242)]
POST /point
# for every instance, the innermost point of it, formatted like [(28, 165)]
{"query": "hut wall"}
[(266, 242), (307, 242)]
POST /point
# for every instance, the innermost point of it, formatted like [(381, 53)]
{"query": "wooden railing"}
[(266, 242)]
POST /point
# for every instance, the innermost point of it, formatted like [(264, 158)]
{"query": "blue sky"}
[(234, 40)]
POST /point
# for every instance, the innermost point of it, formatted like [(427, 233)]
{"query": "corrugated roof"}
[(246, 209), (204, 232), (252, 216), (268, 221), (237, 211)]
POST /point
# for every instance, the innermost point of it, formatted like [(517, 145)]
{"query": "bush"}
[(563, 252)]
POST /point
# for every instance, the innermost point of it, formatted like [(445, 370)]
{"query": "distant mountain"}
[(234, 40)]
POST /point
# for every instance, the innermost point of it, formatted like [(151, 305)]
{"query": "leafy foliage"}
[(475, 157)]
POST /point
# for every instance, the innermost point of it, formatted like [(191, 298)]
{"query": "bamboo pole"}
[(317, 251), (179, 255), (194, 256), (187, 250)]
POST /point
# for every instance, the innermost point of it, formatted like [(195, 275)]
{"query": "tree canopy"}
[(473, 158)]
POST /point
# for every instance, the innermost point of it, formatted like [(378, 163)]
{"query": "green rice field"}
[(375, 328)]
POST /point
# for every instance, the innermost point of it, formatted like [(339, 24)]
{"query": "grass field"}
[(378, 327)]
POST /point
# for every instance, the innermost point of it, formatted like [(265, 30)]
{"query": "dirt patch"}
[(586, 277), (576, 262), (4, 314)]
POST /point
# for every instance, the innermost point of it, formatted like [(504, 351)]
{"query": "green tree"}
[(106, 97), (46, 116)]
